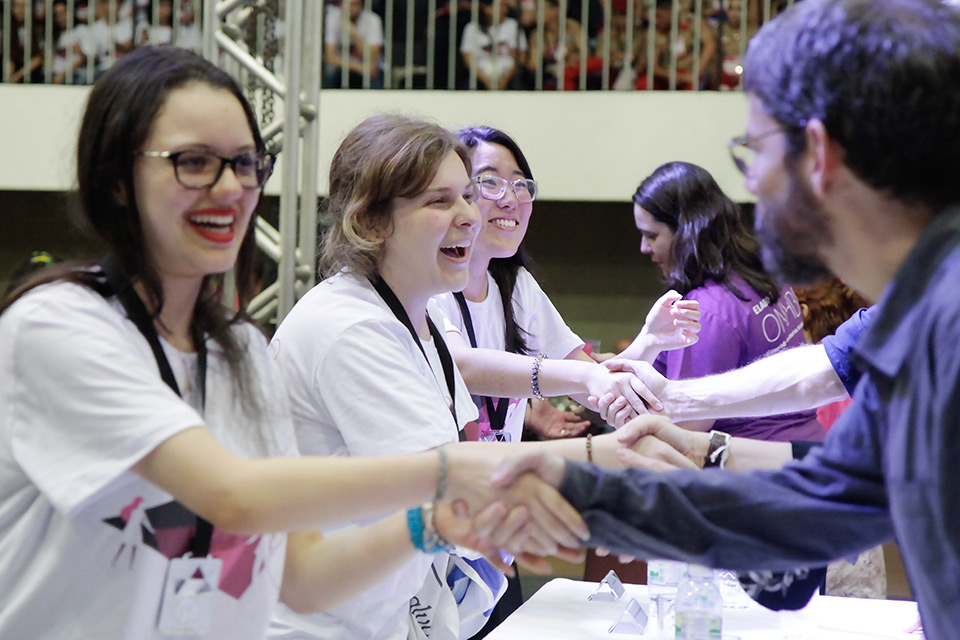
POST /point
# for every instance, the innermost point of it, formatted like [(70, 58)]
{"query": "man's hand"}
[(615, 410)]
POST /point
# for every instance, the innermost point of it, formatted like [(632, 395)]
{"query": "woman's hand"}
[(672, 323), (552, 423), (655, 443)]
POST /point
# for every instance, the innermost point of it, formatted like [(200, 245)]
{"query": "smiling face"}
[(656, 238), (431, 236), (190, 233), (505, 220), (789, 222)]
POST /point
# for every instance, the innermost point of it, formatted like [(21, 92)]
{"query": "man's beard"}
[(790, 231)]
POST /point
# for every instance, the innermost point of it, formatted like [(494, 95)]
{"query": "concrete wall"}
[(583, 146)]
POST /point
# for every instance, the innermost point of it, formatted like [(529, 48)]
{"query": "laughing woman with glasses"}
[(508, 339), (141, 420), (503, 309)]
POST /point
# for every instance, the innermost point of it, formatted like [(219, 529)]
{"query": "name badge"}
[(186, 608)]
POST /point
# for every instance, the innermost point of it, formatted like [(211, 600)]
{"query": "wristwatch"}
[(717, 450)]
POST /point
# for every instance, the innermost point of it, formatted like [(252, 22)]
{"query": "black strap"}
[(496, 414), (446, 361), (120, 286)]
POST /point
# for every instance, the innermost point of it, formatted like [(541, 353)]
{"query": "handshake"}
[(507, 497)]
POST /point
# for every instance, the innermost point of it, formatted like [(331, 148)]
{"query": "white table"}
[(560, 610)]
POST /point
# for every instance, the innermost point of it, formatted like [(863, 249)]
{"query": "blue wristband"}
[(415, 527)]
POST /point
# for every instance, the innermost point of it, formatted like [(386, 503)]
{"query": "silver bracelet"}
[(535, 376), (433, 542), (442, 475)]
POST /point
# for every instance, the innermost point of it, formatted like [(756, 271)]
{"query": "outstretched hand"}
[(673, 323)]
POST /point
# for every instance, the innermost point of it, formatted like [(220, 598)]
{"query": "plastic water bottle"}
[(664, 576), (699, 606)]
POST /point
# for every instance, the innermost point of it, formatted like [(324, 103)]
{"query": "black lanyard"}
[(120, 286), (497, 415), (446, 361)]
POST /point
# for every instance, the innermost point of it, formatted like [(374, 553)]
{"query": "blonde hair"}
[(383, 158)]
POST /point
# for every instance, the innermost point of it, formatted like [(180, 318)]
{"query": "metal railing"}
[(416, 44)]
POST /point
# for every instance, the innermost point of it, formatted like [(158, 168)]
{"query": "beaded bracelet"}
[(433, 542), (415, 527), (535, 376), (590, 447), (423, 532)]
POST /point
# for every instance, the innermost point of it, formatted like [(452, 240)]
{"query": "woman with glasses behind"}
[(503, 308)]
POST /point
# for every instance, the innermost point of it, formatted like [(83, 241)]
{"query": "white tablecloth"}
[(560, 610)]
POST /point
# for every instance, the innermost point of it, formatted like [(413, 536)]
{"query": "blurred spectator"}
[(68, 56), (726, 19), (495, 68), (365, 30), (626, 67), (20, 34), (555, 53), (682, 49), (825, 306), (108, 32), (156, 30)]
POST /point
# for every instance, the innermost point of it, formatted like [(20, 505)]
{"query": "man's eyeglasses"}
[(494, 188), (742, 151), (202, 169)]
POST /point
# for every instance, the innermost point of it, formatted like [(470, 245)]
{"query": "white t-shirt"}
[(84, 542), (359, 386), (368, 25), (479, 44), (65, 56), (98, 37), (545, 330)]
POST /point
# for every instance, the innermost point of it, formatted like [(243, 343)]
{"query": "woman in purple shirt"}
[(695, 234)]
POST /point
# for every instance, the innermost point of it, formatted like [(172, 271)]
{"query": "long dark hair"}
[(120, 112), (505, 270), (710, 241)]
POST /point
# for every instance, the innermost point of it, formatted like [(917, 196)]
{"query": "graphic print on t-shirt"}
[(169, 529)]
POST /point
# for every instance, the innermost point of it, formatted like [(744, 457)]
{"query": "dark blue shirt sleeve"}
[(832, 504), (840, 345)]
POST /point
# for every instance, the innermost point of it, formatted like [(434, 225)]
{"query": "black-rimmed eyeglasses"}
[(202, 169), (495, 187), (742, 151)]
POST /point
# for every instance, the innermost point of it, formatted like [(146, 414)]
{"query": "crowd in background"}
[(469, 44), (75, 42)]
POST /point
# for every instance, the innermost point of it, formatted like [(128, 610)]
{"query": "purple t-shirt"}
[(734, 334)]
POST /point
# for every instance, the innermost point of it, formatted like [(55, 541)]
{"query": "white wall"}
[(582, 146)]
